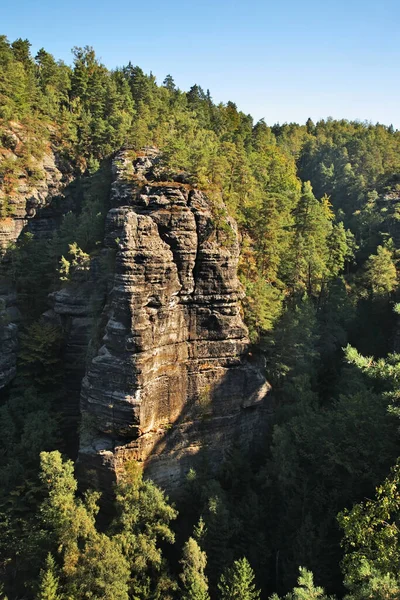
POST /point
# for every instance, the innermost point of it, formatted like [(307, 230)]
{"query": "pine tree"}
[(381, 272), (306, 589), (142, 522), (14, 83), (169, 83), (49, 581), (237, 583), (217, 540), (21, 50), (306, 264), (93, 564), (194, 580), (372, 542)]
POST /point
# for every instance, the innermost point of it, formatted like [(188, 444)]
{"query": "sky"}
[(281, 60)]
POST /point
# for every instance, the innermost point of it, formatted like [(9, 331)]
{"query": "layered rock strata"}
[(73, 310), (173, 382)]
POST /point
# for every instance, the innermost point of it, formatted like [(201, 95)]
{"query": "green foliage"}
[(29, 423), (124, 560), (79, 263), (292, 351), (263, 305), (92, 564), (372, 543), (323, 458), (306, 589), (374, 585), (380, 272), (194, 580), (384, 373), (31, 267), (319, 248), (218, 536), (238, 582), (102, 571), (313, 203), (40, 353), (49, 581), (141, 524)]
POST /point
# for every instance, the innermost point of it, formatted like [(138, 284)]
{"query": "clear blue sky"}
[(284, 60)]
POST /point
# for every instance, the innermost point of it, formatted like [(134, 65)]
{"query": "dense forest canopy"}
[(318, 209)]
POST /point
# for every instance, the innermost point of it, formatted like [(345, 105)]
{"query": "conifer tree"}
[(306, 266), (219, 531), (237, 583), (306, 589), (372, 543), (49, 581), (142, 522), (381, 272), (169, 83), (93, 564), (194, 580)]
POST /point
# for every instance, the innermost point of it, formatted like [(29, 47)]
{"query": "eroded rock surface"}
[(173, 381), (24, 196)]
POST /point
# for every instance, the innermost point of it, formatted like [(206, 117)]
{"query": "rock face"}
[(23, 197), (173, 382), (72, 309), (24, 206)]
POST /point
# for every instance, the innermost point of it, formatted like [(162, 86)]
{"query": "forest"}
[(316, 513)]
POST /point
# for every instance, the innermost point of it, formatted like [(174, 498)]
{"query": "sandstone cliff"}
[(173, 380), (170, 380), (28, 185)]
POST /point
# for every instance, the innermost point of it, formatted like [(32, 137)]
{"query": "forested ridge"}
[(318, 210)]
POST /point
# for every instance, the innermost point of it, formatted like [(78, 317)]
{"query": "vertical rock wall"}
[(173, 381), (24, 205)]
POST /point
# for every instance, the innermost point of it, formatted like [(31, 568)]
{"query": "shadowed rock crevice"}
[(173, 374), (25, 207)]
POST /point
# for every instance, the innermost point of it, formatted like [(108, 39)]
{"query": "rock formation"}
[(24, 197), (73, 310), (173, 381), (24, 206)]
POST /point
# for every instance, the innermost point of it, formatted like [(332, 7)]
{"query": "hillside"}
[(209, 302)]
